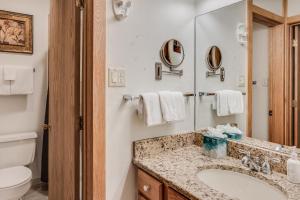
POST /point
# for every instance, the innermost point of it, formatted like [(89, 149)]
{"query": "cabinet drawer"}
[(173, 195), (149, 186)]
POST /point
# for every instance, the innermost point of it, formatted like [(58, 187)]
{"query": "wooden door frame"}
[(93, 99), (263, 16), (64, 100), (290, 21), (253, 11), (94, 67)]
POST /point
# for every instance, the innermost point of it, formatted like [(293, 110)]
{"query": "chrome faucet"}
[(247, 161), (266, 167), (254, 163)]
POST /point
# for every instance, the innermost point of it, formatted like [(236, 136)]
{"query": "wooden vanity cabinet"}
[(171, 194), (150, 188)]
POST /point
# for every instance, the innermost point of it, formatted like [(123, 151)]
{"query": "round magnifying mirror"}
[(172, 53), (214, 58)]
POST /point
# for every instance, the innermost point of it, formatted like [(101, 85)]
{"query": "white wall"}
[(26, 113), (293, 7), (274, 6), (134, 44), (203, 6), (219, 28), (260, 74)]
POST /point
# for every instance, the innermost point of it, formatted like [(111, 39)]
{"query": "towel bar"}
[(201, 94), (128, 97)]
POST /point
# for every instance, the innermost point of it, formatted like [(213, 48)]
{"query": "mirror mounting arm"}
[(213, 73), (159, 71)]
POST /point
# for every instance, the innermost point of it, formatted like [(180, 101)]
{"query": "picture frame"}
[(16, 32)]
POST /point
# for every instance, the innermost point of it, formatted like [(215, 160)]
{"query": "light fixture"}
[(121, 8)]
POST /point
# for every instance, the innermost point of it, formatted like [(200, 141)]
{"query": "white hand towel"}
[(229, 102), (10, 73), (23, 84), (172, 106), (4, 85), (235, 102), (222, 103), (149, 109)]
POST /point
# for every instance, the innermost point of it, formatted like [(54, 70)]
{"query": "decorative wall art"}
[(16, 32)]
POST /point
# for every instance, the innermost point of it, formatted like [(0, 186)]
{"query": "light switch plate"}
[(265, 82), (116, 77), (241, 81)]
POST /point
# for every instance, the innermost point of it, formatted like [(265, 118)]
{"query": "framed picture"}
[(16, 32)]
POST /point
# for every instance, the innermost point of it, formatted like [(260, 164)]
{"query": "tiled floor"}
[(37, 193)]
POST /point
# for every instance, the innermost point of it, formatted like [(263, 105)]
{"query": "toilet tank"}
[(17, 149)]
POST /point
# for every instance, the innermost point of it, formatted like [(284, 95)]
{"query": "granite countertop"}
[(178, 169)]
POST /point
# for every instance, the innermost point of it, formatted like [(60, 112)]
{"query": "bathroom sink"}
[(238, 185)]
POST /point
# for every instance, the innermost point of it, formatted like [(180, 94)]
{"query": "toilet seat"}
[(14, 177)]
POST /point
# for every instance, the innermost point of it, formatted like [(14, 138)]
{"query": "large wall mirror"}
[(217, 46), (272, 87)]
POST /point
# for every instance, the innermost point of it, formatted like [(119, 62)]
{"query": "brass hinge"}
[(294, 103), (46, 127), (295, 43), (80, 4)]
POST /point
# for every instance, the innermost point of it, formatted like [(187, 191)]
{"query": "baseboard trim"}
[(38, 183)]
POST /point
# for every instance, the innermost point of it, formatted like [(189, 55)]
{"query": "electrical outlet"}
[(116, 77)]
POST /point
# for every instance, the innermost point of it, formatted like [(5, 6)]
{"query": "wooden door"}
[(64, 100), (295, 85), (277, 85)]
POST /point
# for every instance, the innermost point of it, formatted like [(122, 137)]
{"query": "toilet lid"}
[(14, 176)]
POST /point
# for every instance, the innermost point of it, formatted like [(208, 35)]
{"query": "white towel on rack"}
[(229, 102), (23, 84), (236, 102), (10, 73), (149, 109), (172, 106), (222, 103), (4, 85)]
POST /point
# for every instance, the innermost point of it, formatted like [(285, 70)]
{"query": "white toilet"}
[(16, 152)]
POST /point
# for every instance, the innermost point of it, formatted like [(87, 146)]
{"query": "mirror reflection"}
[(172, 53), (214, 58), (272, 87)]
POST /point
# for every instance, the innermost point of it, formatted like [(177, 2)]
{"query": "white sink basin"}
[(238, 185)]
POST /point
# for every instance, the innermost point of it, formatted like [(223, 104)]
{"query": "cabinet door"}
[(140, 197), (173, 195), (149, 186)]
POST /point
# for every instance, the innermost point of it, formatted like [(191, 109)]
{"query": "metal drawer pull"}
[(146, 188)]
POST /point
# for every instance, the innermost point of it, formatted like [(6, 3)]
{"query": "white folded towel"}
[(236, 102), (229, 102), (24, 81), (172, 106), (10, 73), (4, 85), (149, 109), (222, 103)]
